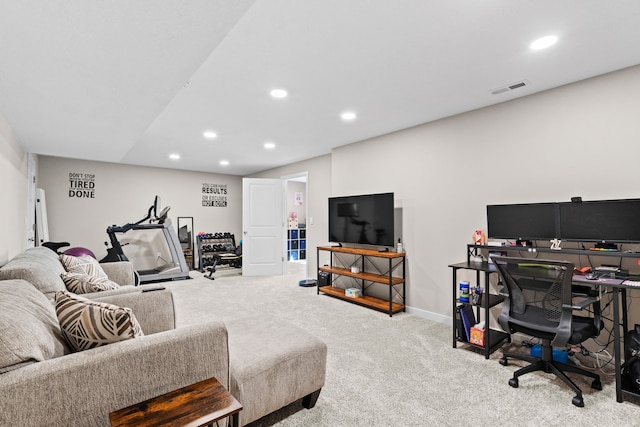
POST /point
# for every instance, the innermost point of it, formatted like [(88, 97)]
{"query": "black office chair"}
[(539, 304)]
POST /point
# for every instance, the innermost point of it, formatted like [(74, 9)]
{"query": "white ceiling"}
[(134, 81)]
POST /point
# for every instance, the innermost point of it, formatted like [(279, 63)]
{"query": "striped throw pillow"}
[(88, 324), (83, 264), (80, 283)]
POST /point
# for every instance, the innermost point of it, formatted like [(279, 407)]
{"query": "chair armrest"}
[(587, 302), (81, 389), (154, 309), (120, 272), (582, 303)]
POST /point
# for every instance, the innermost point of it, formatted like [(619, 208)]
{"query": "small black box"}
[(324, 279)]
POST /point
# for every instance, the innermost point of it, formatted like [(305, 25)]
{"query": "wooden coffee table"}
[(199, 404)]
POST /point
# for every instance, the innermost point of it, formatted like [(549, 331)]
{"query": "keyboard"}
[(634, 283)]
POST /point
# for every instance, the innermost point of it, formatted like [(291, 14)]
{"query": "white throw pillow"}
[(83, 264)]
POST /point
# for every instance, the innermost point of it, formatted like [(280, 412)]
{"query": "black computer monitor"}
[(526, 221), (614, 221)]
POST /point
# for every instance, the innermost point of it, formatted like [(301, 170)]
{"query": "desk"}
[(199, 404), (494, 337), (619, 290)]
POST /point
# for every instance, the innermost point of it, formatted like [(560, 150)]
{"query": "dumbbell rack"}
[(211, 245)]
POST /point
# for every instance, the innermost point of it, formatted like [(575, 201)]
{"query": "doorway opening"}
[(296, 223)]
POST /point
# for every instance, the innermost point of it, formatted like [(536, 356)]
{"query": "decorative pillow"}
[(29, 330), (83, 264), (80, 283), (87, 324)]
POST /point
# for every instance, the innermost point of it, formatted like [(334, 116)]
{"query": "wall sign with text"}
[(82, 185), (214, 195)]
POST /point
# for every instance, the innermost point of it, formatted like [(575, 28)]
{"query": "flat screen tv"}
[(364, 219), (527, 221), (614, 221)]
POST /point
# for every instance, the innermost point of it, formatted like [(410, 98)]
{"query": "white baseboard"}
[(430, 315)]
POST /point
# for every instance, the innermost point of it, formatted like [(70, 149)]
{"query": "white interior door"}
[(263, 227)]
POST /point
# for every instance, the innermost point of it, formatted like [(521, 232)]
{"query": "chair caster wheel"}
[(503, 361), (596, 384), (513, 382), (577, 400)]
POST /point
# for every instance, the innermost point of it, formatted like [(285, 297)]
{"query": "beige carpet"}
[(399, 371)]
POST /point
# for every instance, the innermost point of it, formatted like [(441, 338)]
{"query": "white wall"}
[(123, 194), (294, 187), (13, 176), (578, 140)]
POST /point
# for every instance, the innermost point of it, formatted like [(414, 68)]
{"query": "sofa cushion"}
[(40, 266), (29, 330), (272, 363), (80, 283), (83, 264), (87, 324)]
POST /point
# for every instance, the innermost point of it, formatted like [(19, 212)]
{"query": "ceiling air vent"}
[(509, 88)]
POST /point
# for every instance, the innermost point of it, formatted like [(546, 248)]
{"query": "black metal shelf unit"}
[(492, 337), (212, 245)]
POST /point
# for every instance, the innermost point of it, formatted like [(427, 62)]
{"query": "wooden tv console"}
[(368, 274)]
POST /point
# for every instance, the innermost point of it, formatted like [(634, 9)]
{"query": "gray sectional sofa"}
[(265, 363)]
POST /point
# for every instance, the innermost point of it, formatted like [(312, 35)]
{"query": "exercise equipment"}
[(233, 258), (78, 251), (174, 269), (75, 251), (55, 246)]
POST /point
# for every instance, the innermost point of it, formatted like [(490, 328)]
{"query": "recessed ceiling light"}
[(209, 134), (279, 93), (269, 145), (174, 156), (348, 116), (544, 42), (224, 162)]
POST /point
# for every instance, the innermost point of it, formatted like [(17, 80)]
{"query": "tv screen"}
[(601, 221), (530, 221), (364, 219)]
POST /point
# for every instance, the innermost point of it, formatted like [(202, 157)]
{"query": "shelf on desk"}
[(496, 337), (477, 266), (620, 254), (493, 301)]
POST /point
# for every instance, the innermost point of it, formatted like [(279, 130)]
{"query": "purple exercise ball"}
[(79, 252)]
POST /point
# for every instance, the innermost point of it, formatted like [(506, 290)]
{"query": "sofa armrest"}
[(81, 389), (154, 309), (121, 272)]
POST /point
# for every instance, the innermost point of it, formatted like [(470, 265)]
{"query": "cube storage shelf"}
[(297, 244)]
